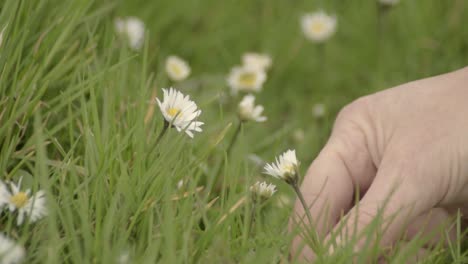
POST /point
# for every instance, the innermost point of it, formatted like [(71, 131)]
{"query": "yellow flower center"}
[(248, 78), (176, 69), (317, 27), (289, 169), (19, 200), (173, 111)]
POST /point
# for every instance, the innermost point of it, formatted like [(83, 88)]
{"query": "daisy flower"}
[(318, 26), (32, 206), (248, 111), (256, 61), (285, 167), (262, 191), (247, 79), (179, 111), (133, 29), (177, 68), (389, 2), (10, 251)]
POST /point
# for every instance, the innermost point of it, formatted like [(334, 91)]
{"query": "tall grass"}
[(78, 119)]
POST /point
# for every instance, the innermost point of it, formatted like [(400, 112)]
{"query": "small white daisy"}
[(177, 68), (133, 29), (389, 2), (246, 79), (180, 111), (262, 191), (34, 207), (318, 26), (256, 61), (10, 251), (248, 111), (285, 167), (318, 110)]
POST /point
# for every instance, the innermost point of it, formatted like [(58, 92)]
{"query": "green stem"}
[(161, 134), (315, 237), (303, 202), (234, 139), (252, 219)]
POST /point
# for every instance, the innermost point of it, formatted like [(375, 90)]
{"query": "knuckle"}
[(354, 109)]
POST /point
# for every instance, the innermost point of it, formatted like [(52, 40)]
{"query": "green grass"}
[(73, 99)]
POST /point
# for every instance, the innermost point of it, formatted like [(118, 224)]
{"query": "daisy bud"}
[(261, 191)]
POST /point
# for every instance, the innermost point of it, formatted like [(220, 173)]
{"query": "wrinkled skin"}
[(405, 150)]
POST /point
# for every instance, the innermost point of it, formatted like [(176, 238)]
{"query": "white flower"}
[(177, 68), (133, 29), (180, 111), (318, 26), (246, 79), (318, 110), (285, 167), (389, 2), (262, 191), (16, 200), (248, 111), (10, 251), (256, 61)]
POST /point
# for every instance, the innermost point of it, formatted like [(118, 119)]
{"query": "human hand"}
[(404, 149)]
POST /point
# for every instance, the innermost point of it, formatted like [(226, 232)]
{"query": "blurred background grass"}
[(74, 98), (414, 39)]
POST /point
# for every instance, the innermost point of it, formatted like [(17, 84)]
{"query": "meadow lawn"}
[(79, 120)]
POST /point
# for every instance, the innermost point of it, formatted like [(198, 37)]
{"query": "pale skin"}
[(405, 150)]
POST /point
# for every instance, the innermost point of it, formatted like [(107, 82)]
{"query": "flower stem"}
[(316, 246), (161, 134), (252, 219), (303, 202), (234, 138)]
